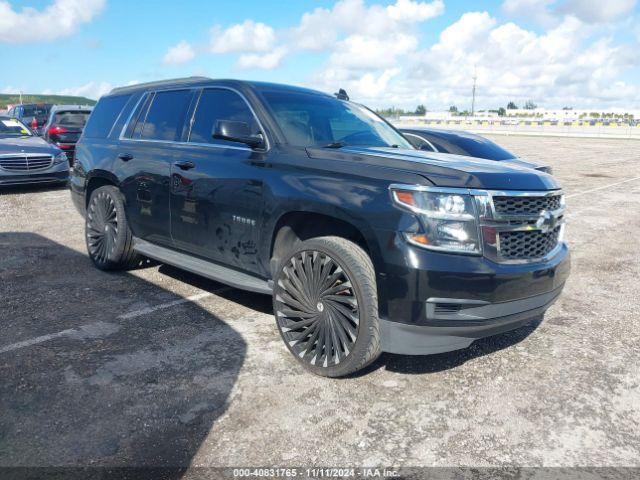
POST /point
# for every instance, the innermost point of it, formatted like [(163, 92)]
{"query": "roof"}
[(159, 84), (204, 81), (33, 103), (57, 108)]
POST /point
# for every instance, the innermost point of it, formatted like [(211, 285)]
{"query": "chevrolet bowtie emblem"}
[(546, 221)]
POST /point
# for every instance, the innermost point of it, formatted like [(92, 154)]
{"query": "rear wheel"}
[(326, 306), (109, 239)]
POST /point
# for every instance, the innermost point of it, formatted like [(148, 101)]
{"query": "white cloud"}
[(367, 44), (245, 37), (59, 19), (537, 10), (362, 52), (410, 11), (588, 11), (92, 90), (560, 66), (598, 11), (181, 53), (267, 61), (576, 56), (320, 28)]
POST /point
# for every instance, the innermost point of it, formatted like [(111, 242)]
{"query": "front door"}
[(217, 187)]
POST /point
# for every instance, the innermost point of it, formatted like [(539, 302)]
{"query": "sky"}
[(398, 53)]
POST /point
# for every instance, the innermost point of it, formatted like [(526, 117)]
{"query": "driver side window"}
[(220, 104)]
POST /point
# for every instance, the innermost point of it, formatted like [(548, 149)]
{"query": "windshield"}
[(10, 127), (317, 120), (35, 110), (72, 118)]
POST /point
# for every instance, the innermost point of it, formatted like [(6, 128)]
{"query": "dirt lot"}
[(158, 367)]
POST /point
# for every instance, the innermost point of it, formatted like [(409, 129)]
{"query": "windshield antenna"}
[(342, 95)]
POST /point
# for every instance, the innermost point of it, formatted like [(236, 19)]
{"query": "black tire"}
[(325, 295), (108, 237)]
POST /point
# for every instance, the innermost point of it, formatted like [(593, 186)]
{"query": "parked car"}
[(365, 243), (32, 114), (64, 126), (459, 142), (27, 158)]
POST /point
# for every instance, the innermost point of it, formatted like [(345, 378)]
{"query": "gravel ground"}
[(157, 367)]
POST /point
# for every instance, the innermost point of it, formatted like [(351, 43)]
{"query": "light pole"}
[(473, 95)]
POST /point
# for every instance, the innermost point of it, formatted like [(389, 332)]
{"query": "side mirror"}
[(234, 131)]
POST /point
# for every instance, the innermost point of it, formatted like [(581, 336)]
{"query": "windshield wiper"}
[(335, 145)]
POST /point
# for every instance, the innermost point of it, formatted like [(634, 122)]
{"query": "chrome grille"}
[(520, 227), (526, 205), (25, 163), (527, 245)]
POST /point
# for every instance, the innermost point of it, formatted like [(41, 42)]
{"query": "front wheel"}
[(109, 239), (326, 306)]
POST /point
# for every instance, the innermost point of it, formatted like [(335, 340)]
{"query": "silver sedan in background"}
[(26, 158)]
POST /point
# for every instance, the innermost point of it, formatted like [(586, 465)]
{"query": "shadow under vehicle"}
[(86, 391)]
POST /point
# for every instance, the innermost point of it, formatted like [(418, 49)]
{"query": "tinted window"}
[(317, 120), (220, 104), (135, 127), (104, 115), (469, 145), (166, 115), (72, 118), (35, 110)]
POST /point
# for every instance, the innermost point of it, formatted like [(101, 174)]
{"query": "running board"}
[(207, 269)]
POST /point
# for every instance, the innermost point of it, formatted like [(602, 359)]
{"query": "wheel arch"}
[(97, 179), (298, 225)]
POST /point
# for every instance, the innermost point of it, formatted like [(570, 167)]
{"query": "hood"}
[(444, 169), (27, 145)]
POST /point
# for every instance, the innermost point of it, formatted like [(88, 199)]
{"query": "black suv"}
[(366, 244)]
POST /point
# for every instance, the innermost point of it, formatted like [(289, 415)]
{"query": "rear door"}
[(144, 158), (217, 186)]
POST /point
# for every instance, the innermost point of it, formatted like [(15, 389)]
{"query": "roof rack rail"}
[(159, 83)]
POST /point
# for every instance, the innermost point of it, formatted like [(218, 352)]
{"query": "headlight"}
[(448, 219), (60, 158)]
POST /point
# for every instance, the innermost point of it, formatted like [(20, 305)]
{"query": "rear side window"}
[(166, 115), (104, 115), (220, 104)]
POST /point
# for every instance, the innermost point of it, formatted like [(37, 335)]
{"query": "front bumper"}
[(55, 176), (454, 334), (435, 302)]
